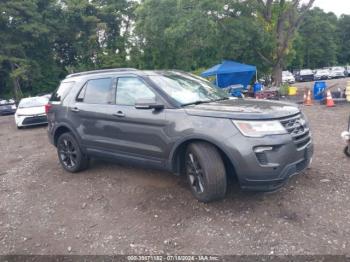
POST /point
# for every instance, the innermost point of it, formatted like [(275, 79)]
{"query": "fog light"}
[(261, 149)]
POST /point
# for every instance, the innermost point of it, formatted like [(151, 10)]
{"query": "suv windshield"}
[(33, 102), (188, 89)]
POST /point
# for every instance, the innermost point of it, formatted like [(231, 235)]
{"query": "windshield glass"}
[(322, 72), (337, 69), (306, 72), (33, 102), (7, 102), (187, 88)]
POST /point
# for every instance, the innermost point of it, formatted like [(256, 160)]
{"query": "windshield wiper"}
[(206, 101), (196, 102), (220, 99)]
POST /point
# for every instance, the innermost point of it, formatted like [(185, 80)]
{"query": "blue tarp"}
[(231, 73)]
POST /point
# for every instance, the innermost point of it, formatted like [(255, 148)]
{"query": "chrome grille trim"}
[(296, 126)]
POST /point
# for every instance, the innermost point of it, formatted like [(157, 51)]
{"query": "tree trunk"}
[(16, 86), (277, 74)]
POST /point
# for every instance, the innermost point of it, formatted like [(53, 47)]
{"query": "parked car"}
[(181, 123), (337, 72), (31, 111), (322, 74), (287, 77), (7, 107), (304, 75)]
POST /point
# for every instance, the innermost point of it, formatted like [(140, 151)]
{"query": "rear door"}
[(92, 112)]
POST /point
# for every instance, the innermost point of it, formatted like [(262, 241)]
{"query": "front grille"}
[(35, 120), (298, 129)]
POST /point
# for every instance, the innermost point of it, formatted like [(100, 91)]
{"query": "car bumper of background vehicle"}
[(22, 121), (272, 170), (7, 112)]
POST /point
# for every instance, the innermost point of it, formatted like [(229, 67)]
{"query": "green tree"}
[(281, 20), (21, 32), (318, 40), (344, 39)]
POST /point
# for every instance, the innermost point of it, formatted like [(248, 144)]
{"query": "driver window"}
[(130, 89)]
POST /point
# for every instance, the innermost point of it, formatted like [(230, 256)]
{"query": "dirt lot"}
[(114, 209)]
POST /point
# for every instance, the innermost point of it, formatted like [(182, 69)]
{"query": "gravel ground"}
[(114, 209)]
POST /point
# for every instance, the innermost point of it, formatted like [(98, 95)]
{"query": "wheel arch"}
[(178, 153), (63, 128)]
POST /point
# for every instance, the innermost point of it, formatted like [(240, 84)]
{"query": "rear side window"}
[(62, 91), (96, 91)]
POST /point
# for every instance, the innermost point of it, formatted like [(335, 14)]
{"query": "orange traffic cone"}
[(329, 101), (308, 101)]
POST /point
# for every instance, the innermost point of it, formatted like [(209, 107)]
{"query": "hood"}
[(244, 109), (31, 111)]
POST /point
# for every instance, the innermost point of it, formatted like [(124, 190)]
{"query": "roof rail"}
[(101, 71)]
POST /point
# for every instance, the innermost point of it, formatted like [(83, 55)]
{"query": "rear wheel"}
[(347, 151), (205, 172), (70, 155)]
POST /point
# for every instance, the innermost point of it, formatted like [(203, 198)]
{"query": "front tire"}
[(205, 172), (70, 155)]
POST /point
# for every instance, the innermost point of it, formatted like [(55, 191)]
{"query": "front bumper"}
[(282, 177), (22, 121), (273, 169), (321, 77)]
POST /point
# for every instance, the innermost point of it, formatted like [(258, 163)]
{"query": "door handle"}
[(119, 114), (74, 109)]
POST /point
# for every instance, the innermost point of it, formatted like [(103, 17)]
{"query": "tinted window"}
[(62, 91), (130, 89), (97, 91)]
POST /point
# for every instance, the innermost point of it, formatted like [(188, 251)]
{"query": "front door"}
[(140, 133)]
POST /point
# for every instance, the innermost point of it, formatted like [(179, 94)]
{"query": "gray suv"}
[(178, 122)]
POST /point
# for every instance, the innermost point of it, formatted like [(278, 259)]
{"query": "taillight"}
[(48, 108)]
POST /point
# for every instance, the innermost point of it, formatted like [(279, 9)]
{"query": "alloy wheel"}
[(67, 153), (195, 173)]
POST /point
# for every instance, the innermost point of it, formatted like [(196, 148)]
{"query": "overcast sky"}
[(336, 6)]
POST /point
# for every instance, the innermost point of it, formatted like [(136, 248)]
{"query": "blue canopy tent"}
[(231, 73)]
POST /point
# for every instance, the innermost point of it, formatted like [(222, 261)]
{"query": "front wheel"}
[(347, 151), (205, 172), (70, 155)]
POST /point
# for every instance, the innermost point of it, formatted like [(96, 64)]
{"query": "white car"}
[(337, 72), (322, 74), (31, 111), (287, 77)]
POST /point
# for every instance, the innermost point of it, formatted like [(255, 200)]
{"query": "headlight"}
[(260, 128)]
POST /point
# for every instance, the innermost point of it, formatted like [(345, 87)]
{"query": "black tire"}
[(205, 171), (70, 155), (347, 151)]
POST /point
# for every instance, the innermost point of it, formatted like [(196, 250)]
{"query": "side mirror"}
[(148, 103)]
